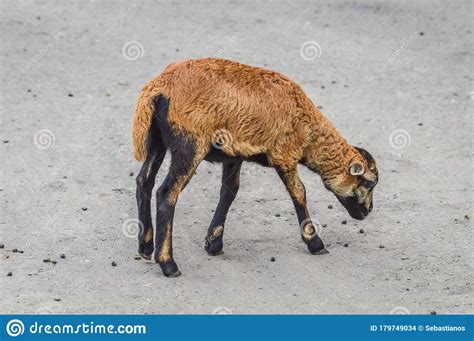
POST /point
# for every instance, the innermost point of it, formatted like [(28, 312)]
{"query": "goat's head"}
[(353, 185)]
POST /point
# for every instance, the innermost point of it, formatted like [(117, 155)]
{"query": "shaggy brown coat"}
[(260, 110)]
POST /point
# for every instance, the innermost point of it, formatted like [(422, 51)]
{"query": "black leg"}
[(230, 186), (185, 157), (298, 194), (145, 182)]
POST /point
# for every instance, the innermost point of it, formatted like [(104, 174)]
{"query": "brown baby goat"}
[(222, 111)]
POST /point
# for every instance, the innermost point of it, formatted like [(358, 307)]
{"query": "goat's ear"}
[(356, 169)]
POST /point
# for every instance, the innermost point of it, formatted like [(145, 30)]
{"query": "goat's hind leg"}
[(145, 182), (185, 157)]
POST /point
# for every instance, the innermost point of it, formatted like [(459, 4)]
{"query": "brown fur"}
[(262, 111), (165, 250)]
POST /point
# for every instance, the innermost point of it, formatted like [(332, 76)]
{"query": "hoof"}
[(316, 246), (170, 269), (145, 250), (177, 273), (213, 246), (144, 256), (321, 252)]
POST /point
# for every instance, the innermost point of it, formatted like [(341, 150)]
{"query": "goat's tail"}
[(142, 119)]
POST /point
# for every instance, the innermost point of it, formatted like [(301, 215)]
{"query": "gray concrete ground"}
[(394, 76)]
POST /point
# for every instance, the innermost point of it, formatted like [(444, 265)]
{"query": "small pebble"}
[(346, 245), (422, 33), (15, 250), (9, 274), (272, 259), (5, 141), (114, 263), (54, 262), (70, 95), (29, 90), (46, 260), (138, 257), (320, 106), (467, 216), (57, 299), (130, 174), (277, 215), (2, 246), (62, 255), (20, 251), (84, 208), (361, 231), (432, 312), (420, 124), (344, 222), (324, 225), (330, 207), (381, 246)]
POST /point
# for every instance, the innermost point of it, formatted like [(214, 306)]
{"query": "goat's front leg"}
[(230, 186), (298, 194)]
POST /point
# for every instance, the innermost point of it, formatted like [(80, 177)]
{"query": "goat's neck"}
[(329, 152)]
